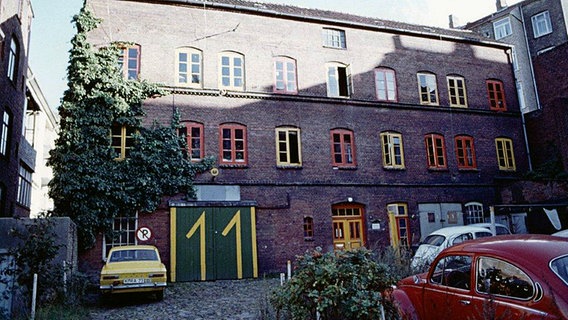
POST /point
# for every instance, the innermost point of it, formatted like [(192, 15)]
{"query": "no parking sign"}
[(144, 234)]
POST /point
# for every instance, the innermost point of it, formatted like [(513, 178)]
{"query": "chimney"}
[(501, 4), (451, 21)]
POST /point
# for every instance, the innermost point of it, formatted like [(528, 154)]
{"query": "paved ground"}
[(212, 300)]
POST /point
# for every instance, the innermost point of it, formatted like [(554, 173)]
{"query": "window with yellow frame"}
[(505, 154), (399, 225), (122, 140)]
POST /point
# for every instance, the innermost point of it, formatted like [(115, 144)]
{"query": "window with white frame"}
[(189, 67), (285, 75), (541, 24), (473, 212), (338, 80), (13, 60), (232, 71), (123, 233), (334, 38), (502, 28), (385, 84), (4, 133)]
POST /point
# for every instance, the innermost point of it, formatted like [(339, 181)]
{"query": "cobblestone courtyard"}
[(212, 300)]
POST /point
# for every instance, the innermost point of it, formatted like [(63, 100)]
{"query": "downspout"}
[(538, 106), (534, 87)]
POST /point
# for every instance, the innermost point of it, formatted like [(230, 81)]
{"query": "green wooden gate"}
[(210, 243)]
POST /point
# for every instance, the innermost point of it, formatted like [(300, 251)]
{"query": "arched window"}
[(189, 67)]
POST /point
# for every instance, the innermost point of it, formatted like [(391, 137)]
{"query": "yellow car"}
[(131, 269)]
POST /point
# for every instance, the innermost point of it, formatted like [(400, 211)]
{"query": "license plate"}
[(133, 281)]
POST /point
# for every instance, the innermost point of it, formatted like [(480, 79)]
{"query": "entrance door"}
[(348, 232)]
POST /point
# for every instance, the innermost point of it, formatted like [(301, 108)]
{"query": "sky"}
[(52, 28)]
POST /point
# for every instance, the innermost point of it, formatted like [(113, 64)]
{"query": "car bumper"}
[(134, 287)]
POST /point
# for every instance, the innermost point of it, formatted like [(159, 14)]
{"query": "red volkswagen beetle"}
[(504, 277)]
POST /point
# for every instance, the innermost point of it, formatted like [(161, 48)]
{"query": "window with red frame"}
[(285, 75), (129, 62), (342, 148), (465, 152), (496, 94), (436, 151), (193, 135), (233, 144)]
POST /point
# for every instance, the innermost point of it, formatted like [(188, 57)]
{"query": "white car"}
[(499, 228), (561, 233), (444, 238)]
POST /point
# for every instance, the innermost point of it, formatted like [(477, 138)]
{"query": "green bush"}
[(335, 285)]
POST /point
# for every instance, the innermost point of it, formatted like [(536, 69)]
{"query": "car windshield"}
[(560, 267), (434, 240), (133, 254)]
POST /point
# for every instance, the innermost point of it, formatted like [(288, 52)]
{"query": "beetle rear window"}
[(560, 268), (434, 240)]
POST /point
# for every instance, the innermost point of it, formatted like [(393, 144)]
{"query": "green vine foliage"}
[(89, 186)]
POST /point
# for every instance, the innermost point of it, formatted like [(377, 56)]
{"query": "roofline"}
[(262, 11)]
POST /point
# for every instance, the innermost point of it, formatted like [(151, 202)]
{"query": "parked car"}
[(499, 228), (443, 238), (503, 277), (561, 233), (131, 269)]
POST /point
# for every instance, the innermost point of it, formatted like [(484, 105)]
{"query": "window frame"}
[(289, 80), (232, 70), (24, 186), (505, 154), (465, 152), (457, 92), (128, 234), (334, 38), (189, 73), (474, 212), (308, 228), (537, 21), (13, 60), (496, 95), (237, 145), (398, 213), (283, 147), (130, 72), (502, 28), (390, 150), (338, 80), (385, 88), (426, 82), (5, 133), (126, 138), (346, 151), (187, 132), (435, 152)]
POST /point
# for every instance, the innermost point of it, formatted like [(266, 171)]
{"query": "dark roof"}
[(335, 18)]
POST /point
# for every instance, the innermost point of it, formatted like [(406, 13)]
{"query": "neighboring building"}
[(17, 157), (330, 130), (41, 128), (533, 27), (539, 31)]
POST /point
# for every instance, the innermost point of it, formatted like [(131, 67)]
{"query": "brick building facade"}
[(336, 131), (17, 156)]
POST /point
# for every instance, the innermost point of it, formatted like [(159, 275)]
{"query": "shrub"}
[(337, 285)]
